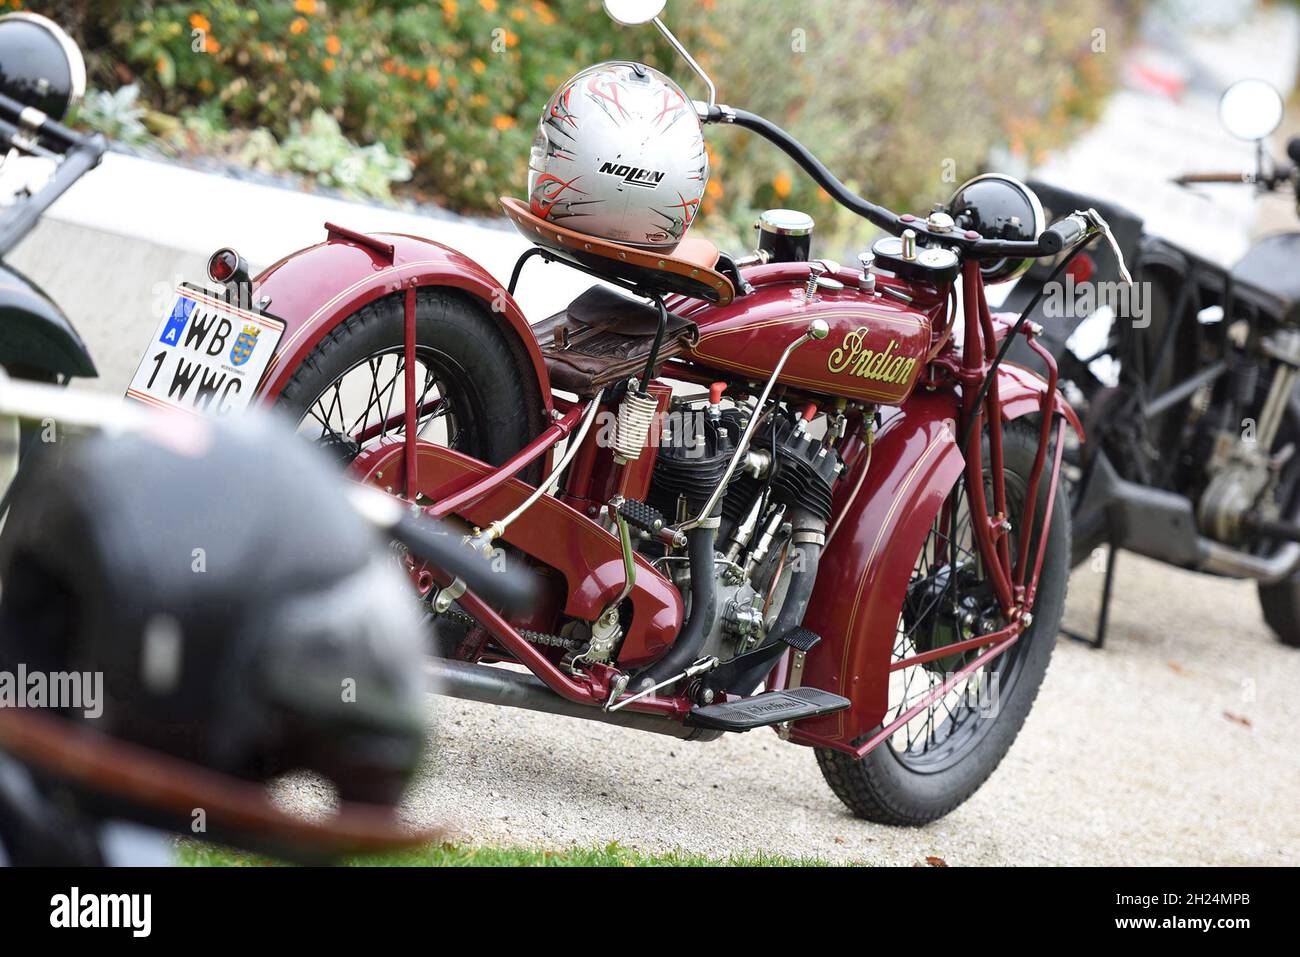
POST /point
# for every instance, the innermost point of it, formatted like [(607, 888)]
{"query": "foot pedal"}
[(642, 516), (753, 665), (801, 639), (768, 708)]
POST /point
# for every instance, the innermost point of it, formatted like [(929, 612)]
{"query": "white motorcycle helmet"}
[(619, 155)]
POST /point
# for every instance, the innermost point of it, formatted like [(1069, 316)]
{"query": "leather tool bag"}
[(604, 336)]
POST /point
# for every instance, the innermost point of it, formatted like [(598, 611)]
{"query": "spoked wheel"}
[(939, 757), (367, 405), (472, 393)]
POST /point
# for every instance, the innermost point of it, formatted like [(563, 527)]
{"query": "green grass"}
[(196, 854)]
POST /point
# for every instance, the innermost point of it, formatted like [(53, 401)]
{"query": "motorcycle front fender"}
[(882, 515), (315, 289), (34, 332)]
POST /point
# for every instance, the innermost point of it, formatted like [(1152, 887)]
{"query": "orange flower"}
[(781, 185), (489, 5), (519, 14), (417, 76), (328, 64), (433, 78), (199, 22), (512, 39), (503, 122), (544, 12), (713, 189), (159, 65), (477, 65), (388, 66), (449, 9), (299, 25), (453, 82), (211, 45), (305, 6), (332, 45)]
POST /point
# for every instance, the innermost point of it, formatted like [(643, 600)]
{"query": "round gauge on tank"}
[(941, 261), (936, 264)]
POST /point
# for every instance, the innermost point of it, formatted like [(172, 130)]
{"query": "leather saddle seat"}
[(689, 270)]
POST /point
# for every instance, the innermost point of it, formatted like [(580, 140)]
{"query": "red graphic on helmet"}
[(687, 206), (560, 111), (671, 107), (605, 91), (547, 192)]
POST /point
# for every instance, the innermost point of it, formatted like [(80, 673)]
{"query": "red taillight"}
[(1081, 268), (222, 265)]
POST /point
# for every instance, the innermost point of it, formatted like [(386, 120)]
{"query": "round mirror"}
[(1250, 109), (630, 13)]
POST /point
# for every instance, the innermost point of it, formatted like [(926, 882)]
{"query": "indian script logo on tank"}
[(881, 365)]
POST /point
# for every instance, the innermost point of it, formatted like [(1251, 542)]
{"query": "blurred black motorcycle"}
[(202, 590), (42, 77), (1187, 389)]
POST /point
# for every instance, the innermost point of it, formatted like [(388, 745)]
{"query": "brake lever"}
[(1099, 223)]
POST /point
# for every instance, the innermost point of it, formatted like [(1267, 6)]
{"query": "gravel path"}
[(1177, 744)]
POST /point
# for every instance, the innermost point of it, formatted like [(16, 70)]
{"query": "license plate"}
[(207, 356)]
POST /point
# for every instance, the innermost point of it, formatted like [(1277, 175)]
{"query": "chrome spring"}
[(636, 415)]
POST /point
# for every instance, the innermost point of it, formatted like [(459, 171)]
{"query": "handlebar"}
[(968, 244), (29, 130), (1189, 178)]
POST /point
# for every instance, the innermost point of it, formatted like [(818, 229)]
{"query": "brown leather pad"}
[(604, 336), (688, 270)]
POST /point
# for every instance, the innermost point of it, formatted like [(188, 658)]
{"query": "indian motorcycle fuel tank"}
[(874, 353)]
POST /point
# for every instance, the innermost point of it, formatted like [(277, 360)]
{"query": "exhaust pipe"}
[(1162, 525), (514, 689)]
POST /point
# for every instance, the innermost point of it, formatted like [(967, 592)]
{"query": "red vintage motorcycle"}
[(842, 523)]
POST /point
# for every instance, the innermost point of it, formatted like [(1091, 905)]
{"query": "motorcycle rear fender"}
[(315, 289), (874, 538), (34, 332)]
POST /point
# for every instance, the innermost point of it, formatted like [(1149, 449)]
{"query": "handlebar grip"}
[(1189, 178), (1062, 233)]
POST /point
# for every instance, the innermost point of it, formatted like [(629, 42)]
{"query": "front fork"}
[(1014, 585)]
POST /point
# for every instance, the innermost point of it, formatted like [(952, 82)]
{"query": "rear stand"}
[(1098, 640)]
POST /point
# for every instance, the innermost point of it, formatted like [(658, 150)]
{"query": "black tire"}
[(1281, 604), (491, 390), (892, 788)]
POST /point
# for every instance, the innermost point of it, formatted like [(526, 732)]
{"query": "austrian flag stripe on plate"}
[(207, 355)]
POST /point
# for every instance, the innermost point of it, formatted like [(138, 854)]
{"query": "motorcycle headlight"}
[(999, 207), (40, 65)]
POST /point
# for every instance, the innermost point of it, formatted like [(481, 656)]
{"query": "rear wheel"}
[(938, 758), (473, 391)]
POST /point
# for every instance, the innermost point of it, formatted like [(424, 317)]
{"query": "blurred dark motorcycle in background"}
[(1189, 400), (189, 608)]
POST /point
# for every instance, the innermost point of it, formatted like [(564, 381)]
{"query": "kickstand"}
[(1103, 616)]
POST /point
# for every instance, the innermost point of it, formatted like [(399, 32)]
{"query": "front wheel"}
[(941, 756)]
